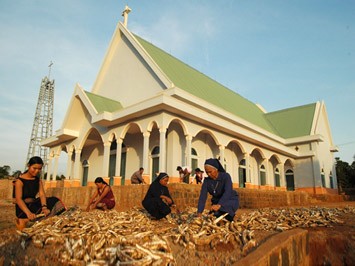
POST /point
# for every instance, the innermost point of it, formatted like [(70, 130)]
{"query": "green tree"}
[(16, 173), (345, 174), (4, 171)]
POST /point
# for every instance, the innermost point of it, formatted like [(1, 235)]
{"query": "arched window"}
[(112, 163), (262, 175), (156, 150), (123, 163), (277, 177), (155, 161), (85, 173), (331, 182), (322, 176), (113, 145)]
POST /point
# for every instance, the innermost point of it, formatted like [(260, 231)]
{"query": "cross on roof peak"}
[(125, 15)]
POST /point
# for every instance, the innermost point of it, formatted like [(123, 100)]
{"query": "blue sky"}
[(279, 54)]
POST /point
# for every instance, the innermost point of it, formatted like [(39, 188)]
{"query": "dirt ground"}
[(328, 245)]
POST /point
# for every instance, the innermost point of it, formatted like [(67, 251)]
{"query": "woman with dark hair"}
[(219, 185), (158, 201), (28, 205), (103, 197)]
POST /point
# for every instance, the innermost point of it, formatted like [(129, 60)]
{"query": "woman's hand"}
[(45, 211), (31, 216), (174, 209), (215, 207), (166, 199)]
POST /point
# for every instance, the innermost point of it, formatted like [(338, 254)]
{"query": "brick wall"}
[(6, 189), (184, 195), (287, 248)]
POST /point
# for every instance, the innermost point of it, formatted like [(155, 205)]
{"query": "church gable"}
[(125, 76), (293, 122), (76, 116), (321, 125)]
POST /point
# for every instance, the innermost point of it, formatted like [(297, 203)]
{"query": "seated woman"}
[(158, 201), (219, 185), (103, 197), (27, 187)]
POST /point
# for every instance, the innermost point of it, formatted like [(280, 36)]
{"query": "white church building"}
[(148, 109)]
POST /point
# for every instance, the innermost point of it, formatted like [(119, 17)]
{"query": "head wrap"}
[(215, 164), (161, 176)]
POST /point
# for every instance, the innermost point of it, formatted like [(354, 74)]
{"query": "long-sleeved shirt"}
[(136, 178), (222, 193)]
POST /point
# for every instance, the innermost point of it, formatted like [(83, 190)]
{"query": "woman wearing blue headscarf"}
[(219, 185), (158, 201)]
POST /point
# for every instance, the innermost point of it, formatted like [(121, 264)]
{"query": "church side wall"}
[(326, 157), (304, 173)]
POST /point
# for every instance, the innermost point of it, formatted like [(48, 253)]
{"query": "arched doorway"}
[(155, 162), (290, 181), (85, 173), (112, 163), (242, 173)]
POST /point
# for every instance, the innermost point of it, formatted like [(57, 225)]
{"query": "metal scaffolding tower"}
[(42, 127)]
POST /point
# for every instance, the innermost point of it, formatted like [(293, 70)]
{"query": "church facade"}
[(148, 109)]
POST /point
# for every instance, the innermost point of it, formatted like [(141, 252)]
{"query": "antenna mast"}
[(42, 127)]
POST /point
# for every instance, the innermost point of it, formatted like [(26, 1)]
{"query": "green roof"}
[(200, 85), (293, 122), (103, 104), (288, 123)]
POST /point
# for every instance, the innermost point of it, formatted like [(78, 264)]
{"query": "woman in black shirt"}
[(28, 205), (158, 201)]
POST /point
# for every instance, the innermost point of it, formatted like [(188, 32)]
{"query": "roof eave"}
[(61, 135), (304, 139)]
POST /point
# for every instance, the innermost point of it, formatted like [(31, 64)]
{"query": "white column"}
[(146, 136), (69, 165), (188, 150), (118, 157), (267, 172), (247, 167), (221, 154), (282, 175), (49, 166), (235, 177), (77, 165), (106, 160), (162, 148), (55, 168)]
